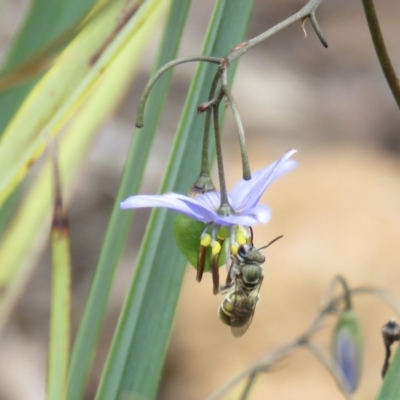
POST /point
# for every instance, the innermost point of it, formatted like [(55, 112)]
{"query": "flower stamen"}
[(215, 248), (205, 239)]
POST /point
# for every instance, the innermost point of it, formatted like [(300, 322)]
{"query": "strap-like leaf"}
[(138, 350), (390, 389), (119, 223), (64, 88), (28, 232), (45, 22)]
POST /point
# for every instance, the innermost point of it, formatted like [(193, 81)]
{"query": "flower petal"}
[(258, 214), (171, 201), (206, 204), (210, 200), (246, 194)]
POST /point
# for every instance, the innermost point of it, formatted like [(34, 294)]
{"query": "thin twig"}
[(305, 12), (317, 29)]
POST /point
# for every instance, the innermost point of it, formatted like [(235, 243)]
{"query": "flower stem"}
[(325, 360), (235, 112), (153, 80), (346, 290), (205, 170), (225, 208), (204, 182), (381, 51)]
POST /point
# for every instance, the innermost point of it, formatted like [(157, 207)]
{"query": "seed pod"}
[(347, 349), (187, 232)]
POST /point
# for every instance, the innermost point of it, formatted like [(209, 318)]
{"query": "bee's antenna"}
[(272, 241), (251, 234)]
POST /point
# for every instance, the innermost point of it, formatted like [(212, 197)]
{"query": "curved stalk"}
[(156, 76)]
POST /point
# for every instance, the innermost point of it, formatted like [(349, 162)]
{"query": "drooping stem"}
[(225, 208), (380, 48), (204, 182), (242, 140), (156, 76), (205, 170), (346, 291)]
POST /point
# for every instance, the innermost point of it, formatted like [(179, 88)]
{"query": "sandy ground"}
[(339, 210)]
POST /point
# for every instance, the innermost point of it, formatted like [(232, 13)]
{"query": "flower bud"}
[(187, 233), (347, 349)]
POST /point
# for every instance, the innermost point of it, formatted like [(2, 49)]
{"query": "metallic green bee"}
[(243, 285)]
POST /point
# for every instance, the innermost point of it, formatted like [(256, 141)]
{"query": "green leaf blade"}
[(46, 20), (390, 389), (120, 221), (135, 362), (60, 320)]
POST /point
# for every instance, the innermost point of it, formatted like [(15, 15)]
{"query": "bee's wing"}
[(243, 310), (242, 315)]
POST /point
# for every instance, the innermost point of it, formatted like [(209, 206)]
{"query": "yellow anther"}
[(205, 240), (234, 249), (215, 248)]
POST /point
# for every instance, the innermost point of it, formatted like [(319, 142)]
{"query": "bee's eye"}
[(243, 250)]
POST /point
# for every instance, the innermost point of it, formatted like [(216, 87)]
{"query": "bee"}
[(243, 285)]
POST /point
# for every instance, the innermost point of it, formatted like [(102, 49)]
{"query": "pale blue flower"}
[(243, 199)]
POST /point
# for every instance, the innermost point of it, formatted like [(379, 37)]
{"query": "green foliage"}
[(91, 49), (45, 22), (390, 389), (115, 237), (187, 232), (138, 350)]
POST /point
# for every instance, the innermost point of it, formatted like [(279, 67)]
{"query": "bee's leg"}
[(201, 260), (225, 288)]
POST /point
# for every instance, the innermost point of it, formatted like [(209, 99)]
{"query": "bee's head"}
[(247, 253)]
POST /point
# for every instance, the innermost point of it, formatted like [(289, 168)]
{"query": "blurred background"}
[(339, 210)]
